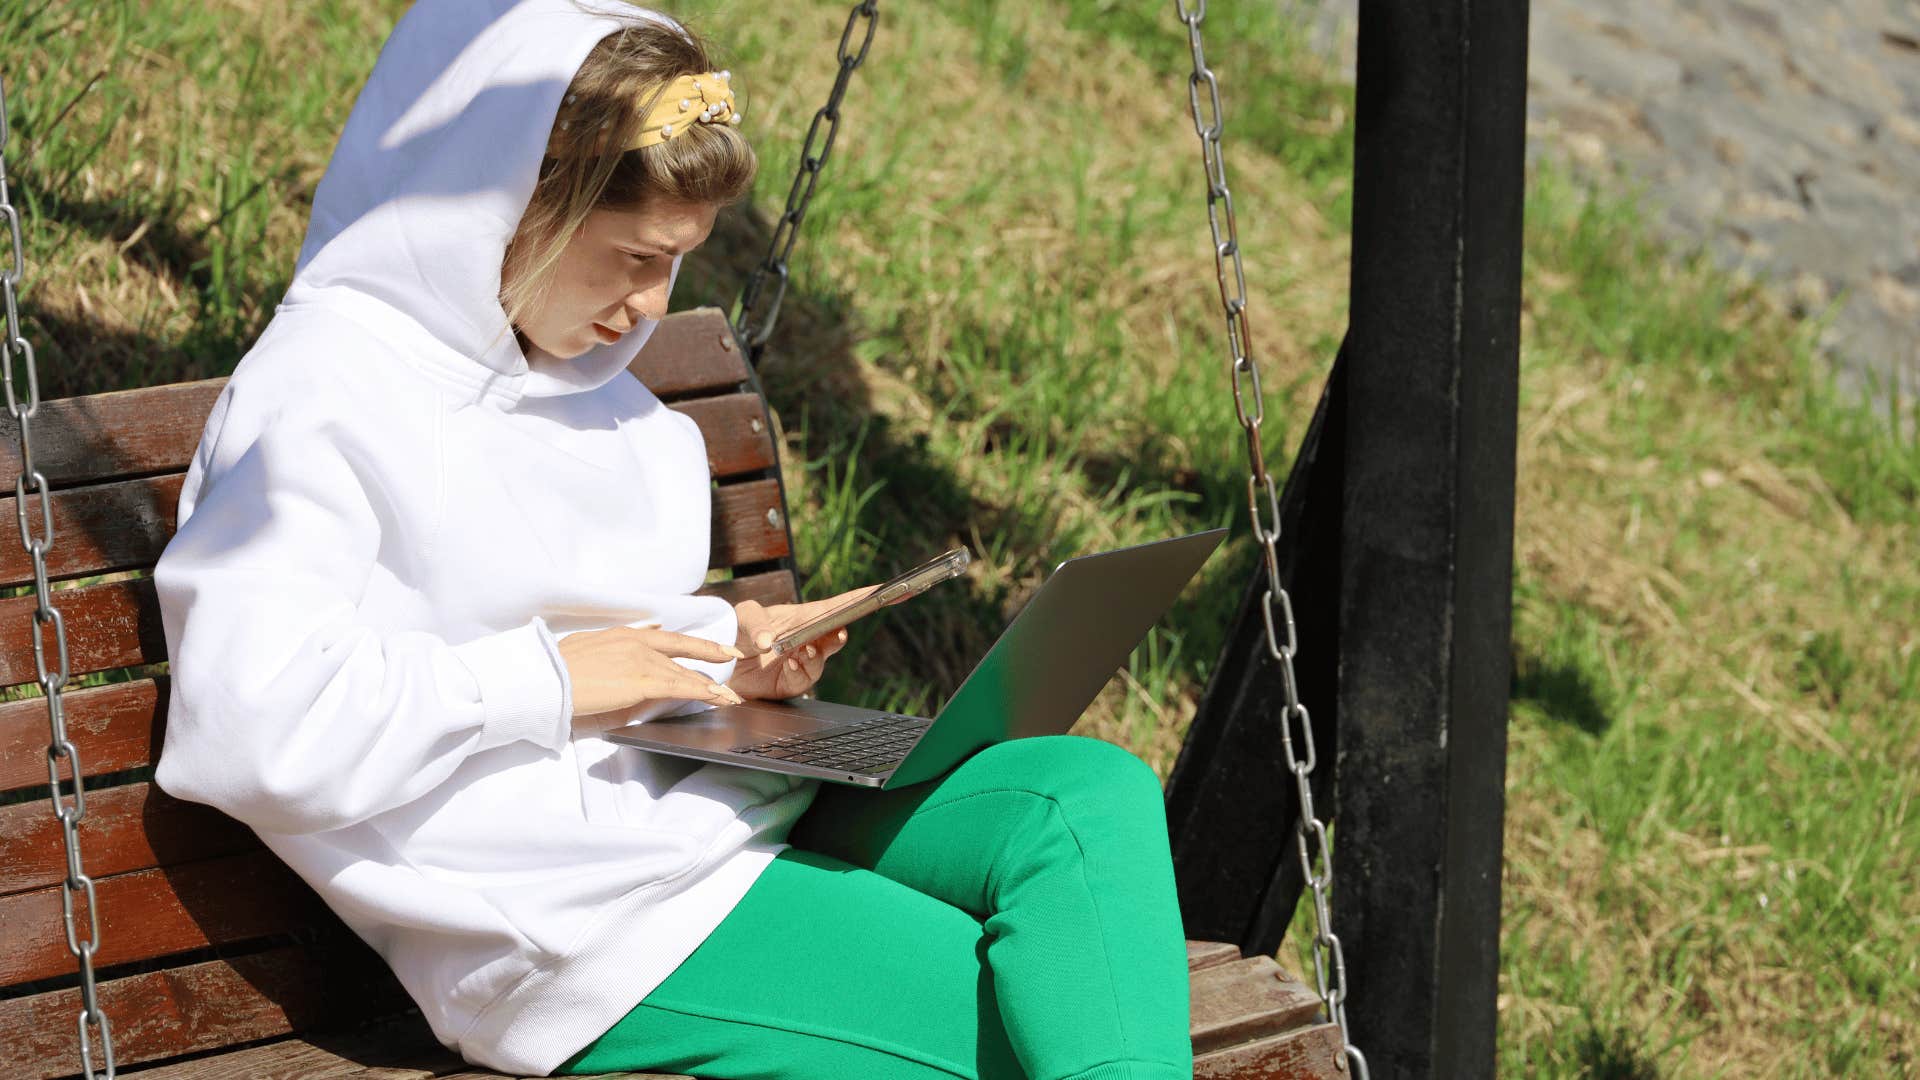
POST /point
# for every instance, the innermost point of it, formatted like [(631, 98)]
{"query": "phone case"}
[(912, 583)]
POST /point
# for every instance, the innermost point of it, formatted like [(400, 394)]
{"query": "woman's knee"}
[(1076, 771)]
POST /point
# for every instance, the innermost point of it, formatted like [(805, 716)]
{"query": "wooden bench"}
[(215, 959)]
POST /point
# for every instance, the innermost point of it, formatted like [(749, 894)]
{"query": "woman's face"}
[(613, 273)]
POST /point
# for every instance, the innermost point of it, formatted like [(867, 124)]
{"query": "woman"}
[(436, 541)]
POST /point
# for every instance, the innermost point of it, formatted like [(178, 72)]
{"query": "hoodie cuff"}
[(524, 691)]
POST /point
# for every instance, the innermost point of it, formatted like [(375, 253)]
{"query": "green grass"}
[(1004, 331)]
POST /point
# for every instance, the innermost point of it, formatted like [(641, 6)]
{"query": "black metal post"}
[(1427, 551)]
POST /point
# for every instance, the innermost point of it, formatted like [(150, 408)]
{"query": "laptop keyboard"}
[(872, 746)]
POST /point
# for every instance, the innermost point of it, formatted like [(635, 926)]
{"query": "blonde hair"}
[(618, 83)]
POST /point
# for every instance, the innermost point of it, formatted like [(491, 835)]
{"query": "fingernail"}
[(810, 652), (843, 635), (764, 640), (793, 665), (735, 653)]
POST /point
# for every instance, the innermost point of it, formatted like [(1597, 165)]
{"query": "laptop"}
[(1042, 673)]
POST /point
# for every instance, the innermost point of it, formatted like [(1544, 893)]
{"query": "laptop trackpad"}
[(728, 726)]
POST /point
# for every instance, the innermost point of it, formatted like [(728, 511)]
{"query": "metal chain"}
[(752, 326), (51, 682), (1296, 726)]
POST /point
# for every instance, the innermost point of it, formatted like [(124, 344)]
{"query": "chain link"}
[(52, 682), (1296, 725), (751, 325)]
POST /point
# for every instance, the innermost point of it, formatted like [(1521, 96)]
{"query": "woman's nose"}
[(647, 302)]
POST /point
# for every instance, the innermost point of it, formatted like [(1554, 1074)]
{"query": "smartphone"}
[(912, 583)]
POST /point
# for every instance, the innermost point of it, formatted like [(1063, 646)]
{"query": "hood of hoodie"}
[(430, 178)]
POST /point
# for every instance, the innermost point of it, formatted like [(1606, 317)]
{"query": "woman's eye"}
[(640, 258)]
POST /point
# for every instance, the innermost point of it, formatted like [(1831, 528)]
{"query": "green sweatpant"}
[(1014, 918)]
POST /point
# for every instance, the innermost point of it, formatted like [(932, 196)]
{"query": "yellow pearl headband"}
[(689, 100)]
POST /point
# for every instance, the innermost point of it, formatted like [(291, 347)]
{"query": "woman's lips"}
[(606, 336)]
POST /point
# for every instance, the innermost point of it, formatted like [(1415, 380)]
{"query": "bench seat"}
[(1250, 1019)]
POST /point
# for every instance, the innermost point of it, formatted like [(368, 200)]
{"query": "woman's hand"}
[(615, 669), (764, 674)]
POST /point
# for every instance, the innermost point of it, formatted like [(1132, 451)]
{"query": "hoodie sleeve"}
[(286, 711)]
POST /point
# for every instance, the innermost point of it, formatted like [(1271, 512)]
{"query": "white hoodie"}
[(388, 523)]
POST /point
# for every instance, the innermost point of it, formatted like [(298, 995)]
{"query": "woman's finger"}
[(828, 644), (763, 636), (807, 662), (785, 618), (793, 674), (754, 622), (691, 686), (847, 597), (802, 614), (694, 648), (677, 680)]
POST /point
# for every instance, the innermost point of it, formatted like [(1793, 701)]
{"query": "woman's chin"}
[(538, 354), (583, 340)]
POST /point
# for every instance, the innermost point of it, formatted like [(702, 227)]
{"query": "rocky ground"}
[(1783, 137)]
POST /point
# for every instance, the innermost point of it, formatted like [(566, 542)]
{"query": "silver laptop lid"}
[(1052, 660)]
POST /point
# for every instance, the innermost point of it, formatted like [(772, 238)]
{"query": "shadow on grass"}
[(75, 355), (1618, 1054), (150, 237), (163, 246), (1562, 690)]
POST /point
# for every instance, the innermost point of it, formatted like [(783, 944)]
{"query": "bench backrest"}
[(207, 939)]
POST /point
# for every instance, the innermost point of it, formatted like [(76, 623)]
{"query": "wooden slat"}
[(1246, 999), (768, 587), (398, 1048), (97, 529), (1205, 954), (109, 625), (161, 912), (1311, 1053), (402, 1050), (164, 1014), (127, 828), (743, 531), (112, 727), (482, 1074), (690, 351), (82, 440), (735, 430)]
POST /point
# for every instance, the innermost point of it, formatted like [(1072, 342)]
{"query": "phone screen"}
[(910, 584)]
